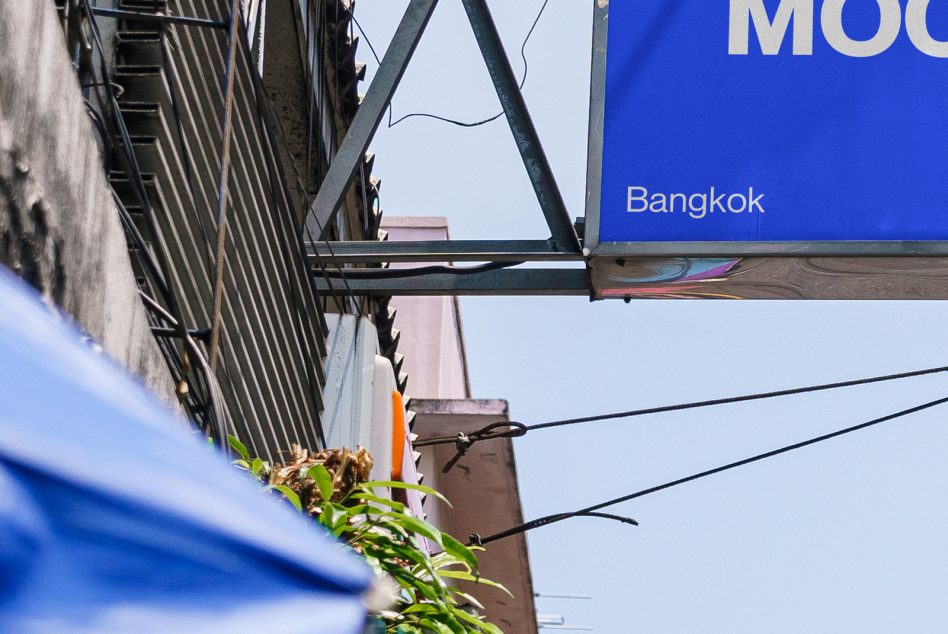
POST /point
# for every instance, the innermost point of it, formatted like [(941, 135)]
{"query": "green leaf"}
[(464, 576), (408, 580), (467, 597), (476, 622), (332, 514), (427, 608), (440, 628), (459, 550), (239, 447), (323, 479), (368, 497), (391, 484), (290, 495), (422, 528), (257, 467)]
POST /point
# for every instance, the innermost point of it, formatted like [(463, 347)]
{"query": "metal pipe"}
[(521, 125)]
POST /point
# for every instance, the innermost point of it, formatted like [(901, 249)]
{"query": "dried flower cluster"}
[(421, 595), (348, 469)]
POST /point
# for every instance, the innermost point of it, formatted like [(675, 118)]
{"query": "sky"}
[(846, 536)]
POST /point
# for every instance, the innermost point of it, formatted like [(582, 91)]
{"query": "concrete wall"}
[(432, 338), (484, 485), (59, 228)]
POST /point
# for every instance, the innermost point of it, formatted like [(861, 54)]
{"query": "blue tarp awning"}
[(114, 518)]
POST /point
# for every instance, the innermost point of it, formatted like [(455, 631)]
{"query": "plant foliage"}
[(332, 487)]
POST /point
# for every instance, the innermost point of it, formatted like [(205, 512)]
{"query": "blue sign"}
[(775, 121)]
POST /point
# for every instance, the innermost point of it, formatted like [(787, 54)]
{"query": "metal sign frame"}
[(733, 249), (563, 245)]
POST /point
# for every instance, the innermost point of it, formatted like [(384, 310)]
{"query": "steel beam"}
[(369, 252), (352, 151), (521, 125), (493, 282)]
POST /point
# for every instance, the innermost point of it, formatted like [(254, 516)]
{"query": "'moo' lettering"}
[(772, 33)]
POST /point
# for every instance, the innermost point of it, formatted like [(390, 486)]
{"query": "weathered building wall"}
[(59, 228), (432, 339)]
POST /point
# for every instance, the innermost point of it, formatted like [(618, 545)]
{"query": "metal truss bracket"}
[(521, 125), (564, 244)]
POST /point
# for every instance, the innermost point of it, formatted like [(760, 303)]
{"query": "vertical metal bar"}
[(521, 125), (356, 142), (597, 119), (232, 36)]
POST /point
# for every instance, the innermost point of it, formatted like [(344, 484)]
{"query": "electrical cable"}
[(102, 129), (156, 267), (463, 442), (220, 425), (373, 274), (131, 163), (552, 519), (462, 124)]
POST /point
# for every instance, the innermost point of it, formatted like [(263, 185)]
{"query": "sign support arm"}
[(521, 125)]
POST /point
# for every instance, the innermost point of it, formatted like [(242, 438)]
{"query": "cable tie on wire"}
[(463, 442)]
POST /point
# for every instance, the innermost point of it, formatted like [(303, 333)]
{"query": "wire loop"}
[(463, 442)]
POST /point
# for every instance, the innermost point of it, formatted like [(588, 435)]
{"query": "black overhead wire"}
[(218, 426), (593, 510), (102, 129), (462, 124), (372, 274), (156, 262), (133, 170), (463, 442)]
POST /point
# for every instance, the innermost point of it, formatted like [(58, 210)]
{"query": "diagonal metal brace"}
[(369, 115), (521, 125)]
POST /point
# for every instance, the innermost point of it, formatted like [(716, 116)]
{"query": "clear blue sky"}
[(848, 536)]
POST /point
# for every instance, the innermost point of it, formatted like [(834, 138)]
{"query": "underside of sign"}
[(768, 149), (795, 277)]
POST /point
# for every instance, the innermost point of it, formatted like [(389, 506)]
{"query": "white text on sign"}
[(771, 34)]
